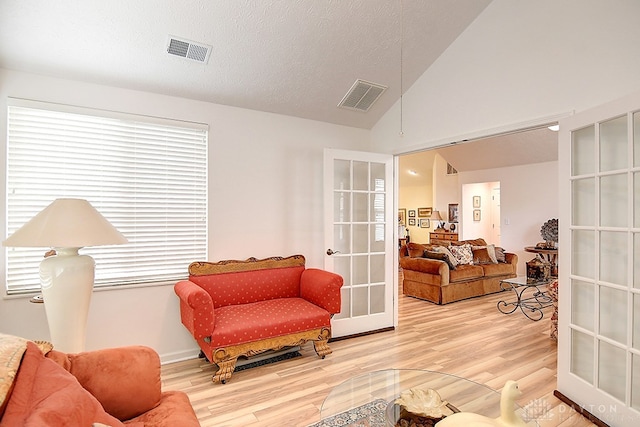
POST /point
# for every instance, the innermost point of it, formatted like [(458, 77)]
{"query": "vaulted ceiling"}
[(293, 57)]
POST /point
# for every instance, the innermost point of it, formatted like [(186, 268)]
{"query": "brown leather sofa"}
[(434, 280)]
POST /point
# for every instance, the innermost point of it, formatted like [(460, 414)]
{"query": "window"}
[(147, 176)]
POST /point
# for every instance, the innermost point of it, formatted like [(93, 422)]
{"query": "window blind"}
[(147, 176)]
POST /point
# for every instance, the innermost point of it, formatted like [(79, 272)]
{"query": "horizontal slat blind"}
[(148, 177)]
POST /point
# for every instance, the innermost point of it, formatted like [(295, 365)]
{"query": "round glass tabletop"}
[(378, 390)]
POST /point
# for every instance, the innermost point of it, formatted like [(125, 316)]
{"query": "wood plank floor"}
[(469, 338)]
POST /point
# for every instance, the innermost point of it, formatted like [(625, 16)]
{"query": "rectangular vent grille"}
[(362, 95), (188, 49)]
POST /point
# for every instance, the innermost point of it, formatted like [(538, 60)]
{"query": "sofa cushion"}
[(416, 250), (499, 269), (47, 395), (462, 253), (442, 257), (452, 259), (484, 254), (238, 324), (466, 272)]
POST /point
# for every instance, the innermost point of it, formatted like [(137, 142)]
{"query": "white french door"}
[(599, 283), (360, 244)]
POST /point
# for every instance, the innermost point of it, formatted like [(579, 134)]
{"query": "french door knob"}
[(331, 252)]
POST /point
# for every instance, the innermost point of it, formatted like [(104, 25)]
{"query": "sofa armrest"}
[(322, 288), (125, 380), (511, 258), (196, 309), (425, 265)]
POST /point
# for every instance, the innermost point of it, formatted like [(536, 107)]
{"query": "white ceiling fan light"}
[(194, 51), (362, 95)]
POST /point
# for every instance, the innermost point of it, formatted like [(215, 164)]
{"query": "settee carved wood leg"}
[(225, 370), (322, 348)]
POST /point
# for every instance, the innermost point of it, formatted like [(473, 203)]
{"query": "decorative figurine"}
[(507, 418)]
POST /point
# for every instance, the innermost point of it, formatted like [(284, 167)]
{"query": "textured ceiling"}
[(293, 57)]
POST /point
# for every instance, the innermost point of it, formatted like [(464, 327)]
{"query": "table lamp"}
[(435, 216), (67, 225)]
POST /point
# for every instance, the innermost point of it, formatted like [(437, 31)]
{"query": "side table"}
[(532, 304)]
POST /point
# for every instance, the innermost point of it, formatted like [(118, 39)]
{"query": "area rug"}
[(369, 415)]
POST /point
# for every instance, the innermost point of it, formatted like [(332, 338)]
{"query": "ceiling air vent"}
[(188, 49), (362, 95)]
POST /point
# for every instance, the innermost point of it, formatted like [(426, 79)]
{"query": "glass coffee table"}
[(374, 393), (531, 297)]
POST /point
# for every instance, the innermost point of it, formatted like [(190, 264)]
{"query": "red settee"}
[(244, 308), (111, 387)]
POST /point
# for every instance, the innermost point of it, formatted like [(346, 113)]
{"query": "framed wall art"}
[(412, 213), (453, 212), (425, 223), (476, 201), (424, 212), (412, 222), (402, 216), (476, 214)]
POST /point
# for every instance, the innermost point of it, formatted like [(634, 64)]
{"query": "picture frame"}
[(476, 214), (425, 223), (412, 213), (425, 212), (453, 212), (412, 222), (402, 216), (476, 201)]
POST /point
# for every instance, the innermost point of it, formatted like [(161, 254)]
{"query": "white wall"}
[(518, 62), (265, 199), (529, 197), (469, 228)]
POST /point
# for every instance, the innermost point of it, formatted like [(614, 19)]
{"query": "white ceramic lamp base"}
[(67, 285)]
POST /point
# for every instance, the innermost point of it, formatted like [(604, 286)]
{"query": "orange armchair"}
[(114, 387)]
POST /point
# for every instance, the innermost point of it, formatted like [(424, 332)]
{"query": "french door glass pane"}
[(360, 176), (613, 144), (583, 304), (582, 355), (636, 139), (636, 199), (635, 382), (582, 151), (613, 257), (611, 370), (341, 175), (583, 202), (613, 314), (377, 299), (613, 190), (583, 253), (360, 238), (341, 206), (636, 256), (636, 323), (360, 301), (341, 238)]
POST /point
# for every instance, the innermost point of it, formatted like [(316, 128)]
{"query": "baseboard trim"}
[(362, 334), (579, 409)]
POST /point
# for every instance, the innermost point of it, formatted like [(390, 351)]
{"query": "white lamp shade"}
[(66, 223)]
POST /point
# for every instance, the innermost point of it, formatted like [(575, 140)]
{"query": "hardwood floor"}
[(469, 338)]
